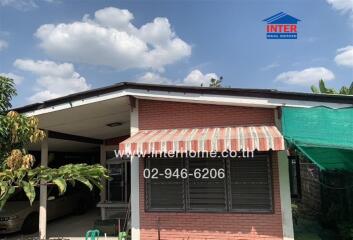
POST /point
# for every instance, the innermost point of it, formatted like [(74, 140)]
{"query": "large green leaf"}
[(9, 191), (85, 182), (61, 183), (28, 188), (4, 187)]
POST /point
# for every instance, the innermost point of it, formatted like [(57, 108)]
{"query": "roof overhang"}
[(84, 127), (87, 114), (205, 95)]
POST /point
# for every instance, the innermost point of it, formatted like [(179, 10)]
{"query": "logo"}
[(281, 26)]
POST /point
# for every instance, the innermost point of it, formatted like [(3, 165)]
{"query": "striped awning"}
[(217, 139)]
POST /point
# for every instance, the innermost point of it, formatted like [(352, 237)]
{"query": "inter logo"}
[(281, 26)]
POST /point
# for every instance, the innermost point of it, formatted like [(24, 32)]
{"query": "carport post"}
[(135, 176), (103, 193), (43, 192)]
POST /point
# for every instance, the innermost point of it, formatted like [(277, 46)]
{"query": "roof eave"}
[(256, 93)]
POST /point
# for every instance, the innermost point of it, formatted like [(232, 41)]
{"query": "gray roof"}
[(246, 92)]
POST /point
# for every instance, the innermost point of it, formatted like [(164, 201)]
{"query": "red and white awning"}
[(218, 139)]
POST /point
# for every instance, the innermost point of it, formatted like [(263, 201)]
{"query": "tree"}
[(16, 133), (7, 91), (323, 89), (216, 82)]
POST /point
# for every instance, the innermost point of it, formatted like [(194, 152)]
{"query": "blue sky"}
[(56, 47)]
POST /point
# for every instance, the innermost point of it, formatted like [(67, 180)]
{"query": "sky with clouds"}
[(53, 48)]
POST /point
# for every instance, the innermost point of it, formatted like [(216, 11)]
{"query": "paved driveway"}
[(70, 227)]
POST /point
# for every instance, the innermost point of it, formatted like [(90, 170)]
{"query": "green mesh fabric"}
[(323, 135), (329, 158)]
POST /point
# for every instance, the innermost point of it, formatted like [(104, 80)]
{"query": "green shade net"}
[(323, 135)]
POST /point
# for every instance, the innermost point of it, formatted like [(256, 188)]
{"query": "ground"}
[(309, 229), (75, 227), (70, 227)]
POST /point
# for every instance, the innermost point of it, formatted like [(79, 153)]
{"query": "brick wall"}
[(310, 186), (160, 115), (210, 226)]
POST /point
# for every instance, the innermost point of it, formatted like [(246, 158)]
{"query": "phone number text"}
[(198, 173)]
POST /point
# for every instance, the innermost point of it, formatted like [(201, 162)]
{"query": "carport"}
[(82, 126)]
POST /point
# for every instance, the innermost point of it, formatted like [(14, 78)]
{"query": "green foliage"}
[(309, 229), (347, 91), (5, 192), (216, 82), (346, 230), (16, 132), (325, 90), (336, 203), (7, 91), (28, 179), (331, 216)]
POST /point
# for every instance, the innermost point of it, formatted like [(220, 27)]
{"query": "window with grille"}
[(250, 187), (245, 187), (164, 193)]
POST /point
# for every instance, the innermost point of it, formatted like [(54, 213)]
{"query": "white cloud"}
[(341, 5), (194, 78), (306, 77), (110, 39), (3, 44), (16, 78), (43, 95), (197, 78), (22, 5), (344, 6), (114, 17), (270, 66), (154, 78), (345, 56), (54, 80)]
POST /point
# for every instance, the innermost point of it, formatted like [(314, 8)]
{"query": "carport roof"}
[(244, 92)]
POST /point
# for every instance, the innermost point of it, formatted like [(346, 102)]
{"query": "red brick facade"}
[(210, 226), (160, 115)]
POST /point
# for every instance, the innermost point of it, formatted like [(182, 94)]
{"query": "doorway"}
[(118, 186)]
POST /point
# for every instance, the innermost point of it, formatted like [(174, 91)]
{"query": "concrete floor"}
[(70, 228)]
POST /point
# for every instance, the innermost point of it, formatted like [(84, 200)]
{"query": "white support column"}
[(43, 192), (284, 185), (286, 205), (103, 193), (135, 185)]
